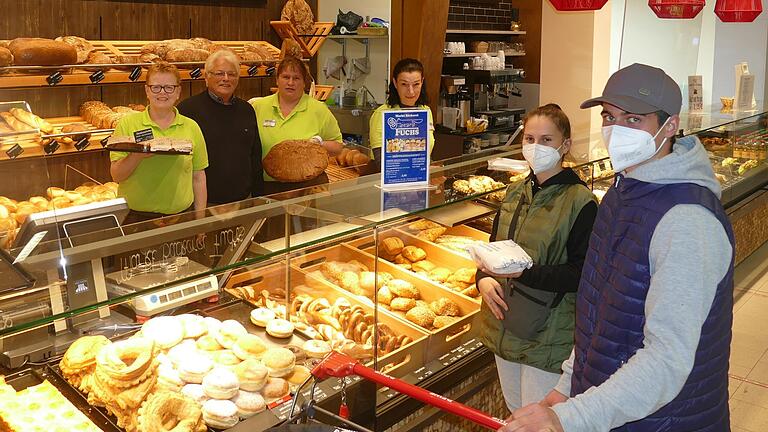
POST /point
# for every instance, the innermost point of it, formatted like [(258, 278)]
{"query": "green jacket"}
[(545, 222)]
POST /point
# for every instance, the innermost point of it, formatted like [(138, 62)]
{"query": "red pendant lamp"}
[(738, 10), (676, 9), (578, 5)]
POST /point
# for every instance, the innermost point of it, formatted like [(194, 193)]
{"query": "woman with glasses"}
[(291, 114), (160, 185), (406, 90)]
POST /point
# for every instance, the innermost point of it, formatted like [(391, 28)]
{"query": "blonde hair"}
[(163, 67), (222, 54)]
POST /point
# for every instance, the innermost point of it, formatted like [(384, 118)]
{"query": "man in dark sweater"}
[(231, 134)]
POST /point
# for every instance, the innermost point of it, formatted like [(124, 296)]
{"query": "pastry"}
[(195, 392), (432, 234), (249, 403), (414, 254), (300, 15), (316, 348), (465, 275), (40, 408), (127, 362), (280, 328), (41, 52), (220, 414), (423, 266), (443, 306), (229, 332), (194, 325), (275, 388), (402, 304), (180, 352), (221, 383), (15, 124), (226, 358), (249, 345), (299, 375), (421, 316), (392, 246), (213, 324), (194, 368), (294, 161), (471, 291), (401, 288), (442, 321), (168, 378), (279, 361), (165, 331), (80, 358), (440, 274), (423, 224), (384, 295), (400, 259), (262, 316), (252, 375)]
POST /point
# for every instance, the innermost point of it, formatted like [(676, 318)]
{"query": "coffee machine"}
[(490, 93), (455, 105)]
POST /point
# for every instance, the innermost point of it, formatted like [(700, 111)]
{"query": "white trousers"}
[(523, 384)]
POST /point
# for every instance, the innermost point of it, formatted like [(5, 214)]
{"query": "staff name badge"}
[(269, 123), (405, 149)]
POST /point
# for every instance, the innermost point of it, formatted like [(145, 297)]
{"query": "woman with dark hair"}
[(406, 90), (291, 114)]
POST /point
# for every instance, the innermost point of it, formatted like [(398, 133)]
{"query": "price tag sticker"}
[(195, 73), (82, 143), (143, 135), (253, 70), (270, 71), (51, 147), (104, 141), (54, 78), (135, 73), (14, 151), (96, 77)]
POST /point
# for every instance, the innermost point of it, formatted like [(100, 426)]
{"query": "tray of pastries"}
[(330, 318), (456, 239), (426, 260)]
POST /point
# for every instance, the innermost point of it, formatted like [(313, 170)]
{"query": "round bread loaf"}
[(6, 58), (82, 46), (41, 52), (295, 161)]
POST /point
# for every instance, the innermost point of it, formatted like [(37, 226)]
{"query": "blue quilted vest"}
[(610, 308)]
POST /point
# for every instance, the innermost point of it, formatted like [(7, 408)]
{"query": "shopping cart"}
[(337, 365)]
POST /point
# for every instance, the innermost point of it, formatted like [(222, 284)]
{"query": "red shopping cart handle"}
[(339, 365)]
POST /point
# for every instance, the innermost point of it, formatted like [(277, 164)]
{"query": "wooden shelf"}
[(310, 44), (33, 149), (357, 36), (517, 54), (486, 32)]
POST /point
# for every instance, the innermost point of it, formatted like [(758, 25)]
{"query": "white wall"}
[(376, 81), (736, 43)]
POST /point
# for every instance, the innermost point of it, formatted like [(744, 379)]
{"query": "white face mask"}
[(540, 157), (628, 147)]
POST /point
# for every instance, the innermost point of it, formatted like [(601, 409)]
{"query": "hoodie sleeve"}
[(689, 255)]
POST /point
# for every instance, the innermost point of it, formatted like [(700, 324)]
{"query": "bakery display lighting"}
[(676, 9), (738, 10), (578, 5)]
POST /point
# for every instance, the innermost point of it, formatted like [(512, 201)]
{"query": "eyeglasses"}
[(222, 74), (166, 88)]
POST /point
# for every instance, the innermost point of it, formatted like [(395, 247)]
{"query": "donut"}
[(168, 378), (194, 368), (225, 358), (299, 375), (249, 345), (229, 332), (220, 414), (249, 403), (221, 383), (316, 348), (280, 328), (262, 316), (275, 388), (165, 331), (279, 362), (252, 375), (208, 343), (166, 411), (195, 392), (126, 362), (181, 352), (194, 325)]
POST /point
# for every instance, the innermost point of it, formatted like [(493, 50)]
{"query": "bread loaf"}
[(74, 127), (32, 120), (350, 157), (16, 124), (264, 54), (97, 57), (4, 128), (6, 58), (4, 43), (42, 52), (201, 43), (300, 15), (187, 55), (82, 46), (296, 161), (291, 48)]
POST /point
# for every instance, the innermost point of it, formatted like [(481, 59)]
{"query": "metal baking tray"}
[(33, 376)]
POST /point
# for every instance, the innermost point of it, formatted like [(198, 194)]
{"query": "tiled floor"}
[(749, 350)]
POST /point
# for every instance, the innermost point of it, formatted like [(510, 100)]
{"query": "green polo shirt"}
[(376, 125), (310, 118), (162, 183)]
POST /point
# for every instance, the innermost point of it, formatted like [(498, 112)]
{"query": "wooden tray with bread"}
[(453, 239), (446, 315), (311, 42), (324, 312)]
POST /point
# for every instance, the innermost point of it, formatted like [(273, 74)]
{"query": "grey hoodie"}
[(689, 255)]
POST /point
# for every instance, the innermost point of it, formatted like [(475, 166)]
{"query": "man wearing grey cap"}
[(654, 306)]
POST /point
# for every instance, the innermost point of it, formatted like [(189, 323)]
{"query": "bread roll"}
[(349, 158), (414, 254), (341, 158), (4, 43), (32, 120), (296, 161), (360, 162), (6, 58), (187, 55), (97, 57), (82, 46), (392, 246), (42, 52), (4, 212), (74, 127)]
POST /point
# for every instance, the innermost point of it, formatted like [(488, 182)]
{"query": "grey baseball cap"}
[(640, 89)]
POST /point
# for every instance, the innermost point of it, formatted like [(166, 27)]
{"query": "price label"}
[(195, 73), (14, 151), (82, 143), (51, 147), (143, 135), (253, 70), (54, 78), (135, 73), (96, 77), (104, 141), (270, 71)]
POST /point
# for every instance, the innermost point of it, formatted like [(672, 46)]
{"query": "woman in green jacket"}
[(528, 317)]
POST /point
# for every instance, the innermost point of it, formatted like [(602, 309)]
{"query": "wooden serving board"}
[(310, 44)]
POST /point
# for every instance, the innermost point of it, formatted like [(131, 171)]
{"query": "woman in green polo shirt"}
[(291, 114), (406, 90), (160, 185)]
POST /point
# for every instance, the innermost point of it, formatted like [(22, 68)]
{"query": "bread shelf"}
[(472, 54), (32, 148), (486, 32), (310, 43)]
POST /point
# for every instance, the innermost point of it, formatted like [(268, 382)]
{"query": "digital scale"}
[(130, 281)]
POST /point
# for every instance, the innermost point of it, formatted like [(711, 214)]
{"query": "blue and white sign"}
[(405, 149)]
